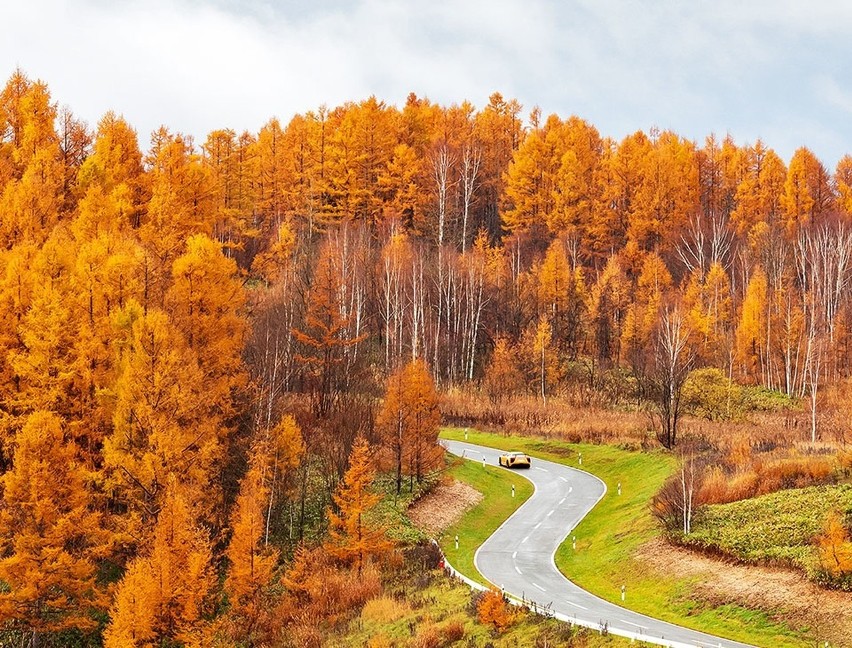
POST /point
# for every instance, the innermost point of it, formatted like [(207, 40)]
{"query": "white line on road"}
[(563, 479), (541, 469), (551, 513), (514, 555), (518, 569), (537, 525), (575, 604), (570, 489), (525, 539), (540, 587), (634, 624), (562, 501)]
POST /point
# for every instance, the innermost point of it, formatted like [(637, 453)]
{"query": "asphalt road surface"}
[(519, 556)]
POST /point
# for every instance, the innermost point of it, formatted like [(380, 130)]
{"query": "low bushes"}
[(493, 609), (780, 528), (763, 476)]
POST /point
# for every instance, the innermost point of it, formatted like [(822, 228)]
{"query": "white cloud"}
[(749, 68)]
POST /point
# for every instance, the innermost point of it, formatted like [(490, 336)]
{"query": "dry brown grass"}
[(561, 418), (557, 418), (752, 476), (384, 609)]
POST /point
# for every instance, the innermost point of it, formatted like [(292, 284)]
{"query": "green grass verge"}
[(479, 522), (609, 537), (778, 527)]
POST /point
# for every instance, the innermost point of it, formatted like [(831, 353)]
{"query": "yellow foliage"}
[(272, 263), (252, 562), (503, 377), (50, 537), (165, 593), (351, 538), (384, 609), (409, 420), (163, 422), (835, 546), (493, 610)]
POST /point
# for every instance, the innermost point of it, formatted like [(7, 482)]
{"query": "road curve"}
[(519, 556)]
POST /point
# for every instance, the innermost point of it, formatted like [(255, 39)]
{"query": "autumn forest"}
[(209, 351)]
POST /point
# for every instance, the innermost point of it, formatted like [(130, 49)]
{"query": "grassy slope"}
[(775, 527), (425, 609), (610, 535)]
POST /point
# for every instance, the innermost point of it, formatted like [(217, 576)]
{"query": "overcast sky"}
[(779, 70)]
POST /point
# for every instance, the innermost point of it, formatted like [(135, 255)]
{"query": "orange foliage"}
[(756, 476), (50, 537), (162, 423), (835, 546), (124, 313), (351, 538), (409, 421), (165, 593), (205, 303), (252, 561), (493, 610), (318, 589), (503, 377)]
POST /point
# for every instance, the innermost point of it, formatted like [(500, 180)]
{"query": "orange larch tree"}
[(279, 453), (163, 422), (182, 203), (234, 171), (421, 405), (576, 189), (808, 195), (31, 199), (251, 561), (843, 183), (206, 304), (165, 593), (51, 537), (352, 538), (409, 420), (115, 165), (502, 376), (329, 333), (835, 547)]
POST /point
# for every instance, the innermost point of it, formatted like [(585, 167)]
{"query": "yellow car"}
[(515, 460)]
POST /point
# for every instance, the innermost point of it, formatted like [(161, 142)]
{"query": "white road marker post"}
[(580, 459), (574, 543), (457, 542), (619, 488), (465, 434), (483, 462), (513, 490), (622, 592)]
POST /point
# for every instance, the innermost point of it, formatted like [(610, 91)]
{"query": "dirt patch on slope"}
[(443, 506), (785, 595)]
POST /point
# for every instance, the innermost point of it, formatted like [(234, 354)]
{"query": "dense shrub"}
[(763, 476), (493, 609), (710, 394)]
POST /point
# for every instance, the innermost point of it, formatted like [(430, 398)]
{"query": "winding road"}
[(519, 556)]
